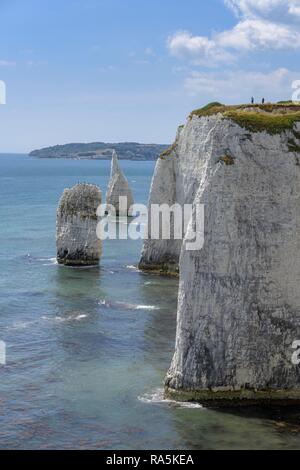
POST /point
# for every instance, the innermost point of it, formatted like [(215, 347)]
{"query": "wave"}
[(109, 304), (157, 398), (132, 267), (35, 259), (54, 262), (20, 325), (136, 307), (80, 268), (50, 262), (105, 303), (145, 307), (68, 318)]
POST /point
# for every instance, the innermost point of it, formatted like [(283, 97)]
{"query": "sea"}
[(87, 350)]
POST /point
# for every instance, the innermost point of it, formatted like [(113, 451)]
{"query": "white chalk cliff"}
[(239, 297), (118, 187), (76, 239)]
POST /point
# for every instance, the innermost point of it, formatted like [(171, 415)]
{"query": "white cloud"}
[(183, 43), (294, 8), (276, 8), (199, 49), (239, 86), (250, 8), (33, 63), (7, 63), (255, 8), (259, 34), (263, 24)]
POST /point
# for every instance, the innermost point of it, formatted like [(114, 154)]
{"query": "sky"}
[(132, 70)]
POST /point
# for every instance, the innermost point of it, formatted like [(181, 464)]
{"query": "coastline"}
[(237, 398)]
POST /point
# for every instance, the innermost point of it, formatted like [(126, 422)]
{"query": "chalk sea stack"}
[(76, 239), (118, 187), (239, 297)]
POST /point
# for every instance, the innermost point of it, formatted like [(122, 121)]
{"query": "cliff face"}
[(176, 179), (77, 242), (239, 297)]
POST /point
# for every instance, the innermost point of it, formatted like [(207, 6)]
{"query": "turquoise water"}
[(87, 350)]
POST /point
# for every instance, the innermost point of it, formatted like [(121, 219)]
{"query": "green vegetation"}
[(293, 146), (259, 122), (269, 117), (102, 151), (227, 159), (169, 150), (167, 268), (296, 135), (209, 109)]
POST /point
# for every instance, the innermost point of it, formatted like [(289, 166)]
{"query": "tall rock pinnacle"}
[(118, 187)]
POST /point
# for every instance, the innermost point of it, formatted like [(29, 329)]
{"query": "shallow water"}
[(87, 350)]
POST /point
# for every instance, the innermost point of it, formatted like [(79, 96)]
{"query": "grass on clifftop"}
[(269, 117), (169, 150)]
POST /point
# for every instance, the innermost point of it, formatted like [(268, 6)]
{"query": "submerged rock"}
[(76, 239), (239, 297), (119, 187)]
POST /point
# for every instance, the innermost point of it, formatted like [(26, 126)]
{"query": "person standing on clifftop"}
[(252, 100), (263, 101)]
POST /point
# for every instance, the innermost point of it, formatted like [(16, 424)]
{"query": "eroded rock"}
[(77, 242), (118, 187)]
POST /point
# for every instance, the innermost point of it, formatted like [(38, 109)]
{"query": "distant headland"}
[(102, 151)]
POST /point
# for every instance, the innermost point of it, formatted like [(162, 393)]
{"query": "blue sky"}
[(132, 70)]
